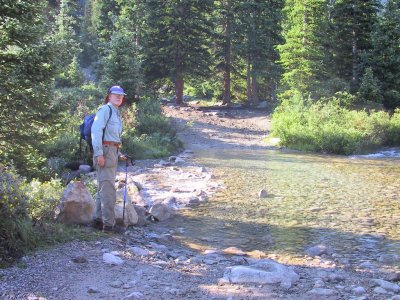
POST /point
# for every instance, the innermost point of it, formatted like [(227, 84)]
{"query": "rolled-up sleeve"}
[(99, 124)]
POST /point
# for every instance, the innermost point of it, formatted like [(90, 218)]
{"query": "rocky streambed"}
[(153, 261)]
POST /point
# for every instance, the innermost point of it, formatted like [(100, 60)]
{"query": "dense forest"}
[(59, 56)]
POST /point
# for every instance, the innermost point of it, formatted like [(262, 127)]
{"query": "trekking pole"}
[(126, 183)]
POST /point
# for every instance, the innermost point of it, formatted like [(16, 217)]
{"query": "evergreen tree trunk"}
[(354, 78), (254, 88), (227, 55), (248, 79), (179, 84)]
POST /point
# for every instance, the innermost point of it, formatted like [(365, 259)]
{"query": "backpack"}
[(86, 130)]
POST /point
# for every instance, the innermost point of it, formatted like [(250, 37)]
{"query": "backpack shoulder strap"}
[(104, 130)]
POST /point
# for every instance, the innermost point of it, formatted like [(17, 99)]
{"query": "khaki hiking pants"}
[(106, 193)]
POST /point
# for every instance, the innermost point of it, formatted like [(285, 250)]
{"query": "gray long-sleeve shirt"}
[(113, 130)]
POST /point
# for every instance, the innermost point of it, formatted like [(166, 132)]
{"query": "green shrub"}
[(43, 200), (147, 133), (65, 145), (150, 146), (332, 128), (150, 120), (16, 234)]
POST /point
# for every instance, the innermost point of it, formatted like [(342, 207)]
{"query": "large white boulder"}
[(77, 205), (264, 271), (161, 211), (130, 216)]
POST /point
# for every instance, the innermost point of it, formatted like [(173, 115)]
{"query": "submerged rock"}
[(388, 286), (318, 250), (358, 291), (262, 194)]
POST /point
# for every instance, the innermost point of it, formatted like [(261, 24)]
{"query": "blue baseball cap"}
[(116, 89)]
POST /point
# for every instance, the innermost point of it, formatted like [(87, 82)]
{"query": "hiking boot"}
[(97, 224), (115, 229), (108, 229)]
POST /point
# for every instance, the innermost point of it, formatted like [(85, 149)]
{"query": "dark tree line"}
[(232, 50)]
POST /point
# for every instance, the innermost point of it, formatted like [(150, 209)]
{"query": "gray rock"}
[(158, 247), (262, 194), (165, 238), (85, 169), (392, 287), (142, 215), (263, 272), (394, 276), (76, 205), (181, 259), (179, 160), (320, 293), (380, 290), (133, 296), (130, 215), (164, 163), (367, 265), (317, 250), (336, 277), (193, 202), (116, 284), (111, 259), (171, 202), (358, 291), (319, 283), (140, 251), (129, 285), (160, 211), (389, 258), (93, 290)]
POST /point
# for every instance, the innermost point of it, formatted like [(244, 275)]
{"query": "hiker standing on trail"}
[(106, 140)]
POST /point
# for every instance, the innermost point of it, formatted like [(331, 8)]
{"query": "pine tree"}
[(67, 37), (369, 90), (177, 41), (258, 33), (26, 73), (302, 54), (385, 58), (121, 57), (353, 23), (223, 39)]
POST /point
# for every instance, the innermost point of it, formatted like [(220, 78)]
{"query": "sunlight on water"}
[(351, 204)]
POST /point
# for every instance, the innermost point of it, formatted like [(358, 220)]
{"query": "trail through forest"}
[(152, 263)]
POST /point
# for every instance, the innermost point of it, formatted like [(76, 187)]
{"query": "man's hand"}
[(100, 161), (123, 157)]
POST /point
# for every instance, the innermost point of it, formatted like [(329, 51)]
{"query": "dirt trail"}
[(221, 127)]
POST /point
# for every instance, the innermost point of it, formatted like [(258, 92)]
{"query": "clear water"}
[(351, 204)]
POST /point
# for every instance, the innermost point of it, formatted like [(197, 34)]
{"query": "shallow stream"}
[(350, 204)]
